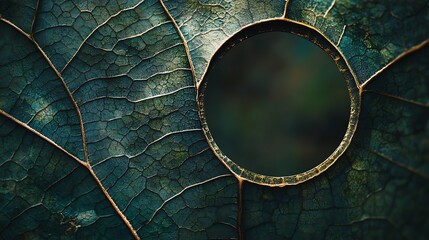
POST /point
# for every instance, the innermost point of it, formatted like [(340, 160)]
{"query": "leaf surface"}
[(101, 137), (370, 34)]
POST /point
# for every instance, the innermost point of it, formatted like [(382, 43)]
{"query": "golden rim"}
[(323, 42)]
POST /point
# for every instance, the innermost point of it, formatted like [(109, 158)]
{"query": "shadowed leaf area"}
[(100, 136)]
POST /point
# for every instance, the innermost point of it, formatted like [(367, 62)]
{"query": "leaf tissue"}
[(103, 132)]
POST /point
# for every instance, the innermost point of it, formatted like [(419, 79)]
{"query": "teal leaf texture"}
[(101, 138), (370, 34)]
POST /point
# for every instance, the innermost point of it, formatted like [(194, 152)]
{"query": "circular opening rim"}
[(316, 37)]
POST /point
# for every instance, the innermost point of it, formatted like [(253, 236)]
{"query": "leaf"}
[(101, 136), (123, 109), (378, 189), (370, 34), (46, 192)]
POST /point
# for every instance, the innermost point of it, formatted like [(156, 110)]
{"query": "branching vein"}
[(329, 9), (183, 190), (399, 57)]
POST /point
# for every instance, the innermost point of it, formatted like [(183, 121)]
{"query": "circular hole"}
[(276, 104)]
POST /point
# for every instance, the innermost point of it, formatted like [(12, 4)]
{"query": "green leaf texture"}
[(101, 137)]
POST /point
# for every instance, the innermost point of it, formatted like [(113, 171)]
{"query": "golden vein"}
[(329, 9), (398, 164), (240, 209), (399, 57), (34, 19), (10, 117), (420, 104), (341, 36), (286, 7), (95, 29), (183, 190), (185, 44), (87, 164)]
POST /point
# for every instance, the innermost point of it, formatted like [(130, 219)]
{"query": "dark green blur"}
[(276, 104)]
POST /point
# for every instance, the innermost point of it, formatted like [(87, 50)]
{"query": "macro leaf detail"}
[(101, 137)]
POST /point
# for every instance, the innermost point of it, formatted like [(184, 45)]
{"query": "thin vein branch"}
[(341, 35), (398, 164), (36, 10), (364, 219), (86, 162), (67, 175), (240, 209), (183, 190), (82, 128), (137, 35), (229, 225), (10, 117), (206, 32), (162, 137), (185, 43), (286, 7), (329, 9), (85, 149), (112, 77), (112, 202), (147, 146), (399, 57), (162, 73), (139, 100), (41, 110), (95, 29), (16, 28), (60, 77), (420, 104), (40, 204)]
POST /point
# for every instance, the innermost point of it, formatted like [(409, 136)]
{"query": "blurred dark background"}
[(276, 104)]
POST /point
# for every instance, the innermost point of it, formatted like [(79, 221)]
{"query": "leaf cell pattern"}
[(101, 136)]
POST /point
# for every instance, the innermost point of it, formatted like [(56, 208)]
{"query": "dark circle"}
[(275, 103)]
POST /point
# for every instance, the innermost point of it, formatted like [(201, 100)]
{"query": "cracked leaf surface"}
[(370, 34), (46, 193), (100, 133), (378, 188)]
